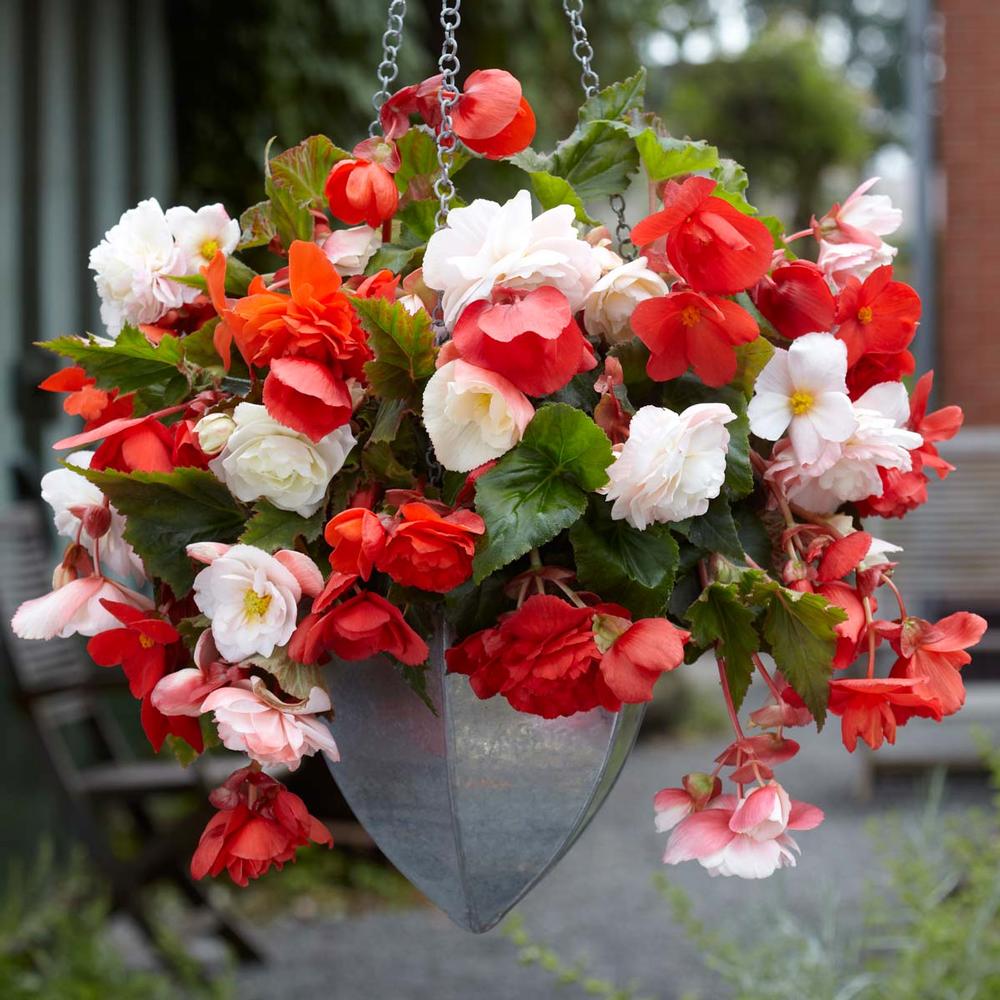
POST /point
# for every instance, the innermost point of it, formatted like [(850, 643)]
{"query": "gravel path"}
[(598, 903)]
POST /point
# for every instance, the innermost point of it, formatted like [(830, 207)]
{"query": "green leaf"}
[(418, 159), (257, 228), (733, 184), (739, 472), (617, 100), (552, 191), (665, 157), (397, 259), (597, 159), (471, 606), (540, 488), (183, 752), (387, 420), (166, 511), (631, 567), (404, 349), (296, 679), (801, 632), (191, 629), (238, 278), (715, 530), (420, 218), (271, 528), (751, 359), (718, 618), (380, 462)]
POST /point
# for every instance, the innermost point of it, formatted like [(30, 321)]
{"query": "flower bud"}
[(213, 432)]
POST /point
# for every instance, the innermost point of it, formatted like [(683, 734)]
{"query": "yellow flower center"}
[(209, 249), (801, 402), (145, 641), (865, 315), (690, 316), (255, 605)]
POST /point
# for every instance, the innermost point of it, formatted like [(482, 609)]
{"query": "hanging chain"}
[(583, 52), (388, 68), (449, 66)]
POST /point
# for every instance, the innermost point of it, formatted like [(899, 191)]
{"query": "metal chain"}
[(583, 52), (448, 94), (388, 68)]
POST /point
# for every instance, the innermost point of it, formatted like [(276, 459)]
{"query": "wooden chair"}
[(64, 696)]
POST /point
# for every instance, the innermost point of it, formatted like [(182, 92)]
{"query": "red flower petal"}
[(306, 396)]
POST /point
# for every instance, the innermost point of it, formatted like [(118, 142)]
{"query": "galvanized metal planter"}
[(476, 804)]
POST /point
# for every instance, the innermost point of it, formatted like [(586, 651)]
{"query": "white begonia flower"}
[(213, 431), (350, 250), (265, 459), (133, 265), (486, 244), (671, 466), (804, 391), (69, 494), (850, 470), (608, 307), (251, 599), (201, 235), (473, 415)]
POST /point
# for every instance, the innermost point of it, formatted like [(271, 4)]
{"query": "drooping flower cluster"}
[(508, 432)]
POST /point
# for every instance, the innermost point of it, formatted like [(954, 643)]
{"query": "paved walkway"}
[(598, 903)]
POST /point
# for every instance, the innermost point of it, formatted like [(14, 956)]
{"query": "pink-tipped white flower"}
[(252, 597), (201, 235), (841, 261), (863, 218), (253, 721), (487, 244), (850, 470), (608, 307), (671, 466), (349, 250), (804, 391), (183, 691), (473, 415), (745, 838)]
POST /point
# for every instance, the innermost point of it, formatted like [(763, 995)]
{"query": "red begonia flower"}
[(363, 189), (637, 658), (850, 633), (529, 337), (842, 556), (874, 369), (431, 551), (95, 406), (934, 654), (145, 446), (867, 707), (796, 299), (712, 245), (879, 316), (187, 451), (260, 825), (356, 537), (305, 395), (687, 329)]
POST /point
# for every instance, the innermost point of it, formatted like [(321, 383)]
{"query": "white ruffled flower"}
[(251, 599), (201, 235), (671, 466), (133, 265), (213, 431), (850, 471), (350, 250), (69, 495), (486, 244), (473, 415), (608, 307), (804, 391), (265, 459)]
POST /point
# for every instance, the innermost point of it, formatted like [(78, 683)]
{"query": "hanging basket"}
[(475, 803)]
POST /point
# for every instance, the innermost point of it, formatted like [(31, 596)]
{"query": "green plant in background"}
[(929, 927), (54, 944)]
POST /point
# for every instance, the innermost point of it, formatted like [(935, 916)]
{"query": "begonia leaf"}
[(665, 157), (271, 528), (616, 100)]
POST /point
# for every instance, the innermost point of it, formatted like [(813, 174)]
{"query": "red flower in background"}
[(491, 115), (903, 491), (94, 406), (364, 189), (529, 337), (868, 708), (429, 550), (357, 537), (712, 245), (934, 654), (796, 299), (306, 396), (687, 329), (875, 368), (260, 825)]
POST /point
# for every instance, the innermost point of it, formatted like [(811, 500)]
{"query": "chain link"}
[(388, 68), (448, 65), (583, 52)]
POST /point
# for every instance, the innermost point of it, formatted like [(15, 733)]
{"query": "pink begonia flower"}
[(350, 250), (251, 720), (746, 837), (473, 415), (862, 219), (674, 804), (840, 261), (183, 691), (804, 391), (74, 608)]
